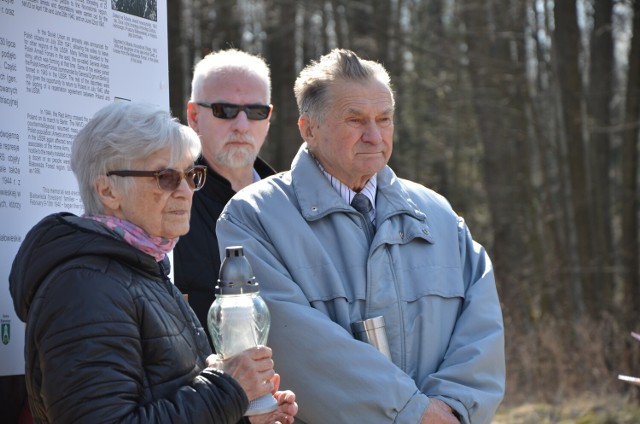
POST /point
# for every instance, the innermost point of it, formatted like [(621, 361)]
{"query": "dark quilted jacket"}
[(108, 336)]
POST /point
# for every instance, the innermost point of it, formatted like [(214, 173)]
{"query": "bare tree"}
[(518, 111), (566, 37), (599, 289), (178, 69), (630, 250), (284, 138), (498, 87)]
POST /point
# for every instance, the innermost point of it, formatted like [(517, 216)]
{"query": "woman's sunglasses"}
[(170, 179), (230, 111)]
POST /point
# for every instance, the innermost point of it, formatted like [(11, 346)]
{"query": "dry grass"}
[(567, 373), (615, 410)]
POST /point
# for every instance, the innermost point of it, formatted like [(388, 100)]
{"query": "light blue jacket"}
[(423, 272)]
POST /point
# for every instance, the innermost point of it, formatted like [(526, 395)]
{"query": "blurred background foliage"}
[(524, 114)]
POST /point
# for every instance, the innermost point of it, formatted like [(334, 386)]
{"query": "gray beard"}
[(236, 158)]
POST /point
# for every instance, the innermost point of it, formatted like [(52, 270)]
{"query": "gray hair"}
[(225, 61), (312, 85), (119, 134)]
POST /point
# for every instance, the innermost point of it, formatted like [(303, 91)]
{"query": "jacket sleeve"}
[(89, 358), (335, 377), (473, 369)]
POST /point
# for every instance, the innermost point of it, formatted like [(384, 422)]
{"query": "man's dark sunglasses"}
[(169, 179), (230, 111)]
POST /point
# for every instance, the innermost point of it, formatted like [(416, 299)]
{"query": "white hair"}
[(121, 133), (225, 61)]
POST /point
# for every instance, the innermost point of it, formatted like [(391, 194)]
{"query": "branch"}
[(629, 379)]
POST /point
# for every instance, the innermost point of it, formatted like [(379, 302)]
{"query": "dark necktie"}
[(361, 203)]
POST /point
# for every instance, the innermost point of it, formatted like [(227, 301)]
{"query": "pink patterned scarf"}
[(154, 246)]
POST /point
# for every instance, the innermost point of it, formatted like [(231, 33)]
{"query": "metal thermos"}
[(372, 331)]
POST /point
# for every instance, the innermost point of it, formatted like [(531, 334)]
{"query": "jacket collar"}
[(217, 186), (62, 237), (317, 197)]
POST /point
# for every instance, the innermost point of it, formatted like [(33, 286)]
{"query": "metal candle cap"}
[(236, 275)]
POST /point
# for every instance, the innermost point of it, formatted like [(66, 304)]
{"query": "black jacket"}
[(196, 258), (108, 336)]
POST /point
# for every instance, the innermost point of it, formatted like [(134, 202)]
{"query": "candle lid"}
[(236, 275)]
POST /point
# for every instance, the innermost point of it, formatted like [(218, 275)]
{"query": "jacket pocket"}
[(445, 282)]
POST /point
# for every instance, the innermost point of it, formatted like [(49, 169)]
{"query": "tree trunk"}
[(339, 18), (551, 247), (498, 94), (382, 18), (284, 137), (630, 252), (178, 73), (361, 28), (599, 289), (567, 48), (227, 28)]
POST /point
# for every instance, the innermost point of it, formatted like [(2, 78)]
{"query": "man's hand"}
[(251, 368), (439, 412), (287, 407)]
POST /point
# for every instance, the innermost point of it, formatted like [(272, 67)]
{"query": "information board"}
[(60, 61)]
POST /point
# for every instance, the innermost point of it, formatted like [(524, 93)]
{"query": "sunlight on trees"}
[(524, 113)]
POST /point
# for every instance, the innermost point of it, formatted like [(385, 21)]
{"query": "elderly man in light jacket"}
[(322, 264)]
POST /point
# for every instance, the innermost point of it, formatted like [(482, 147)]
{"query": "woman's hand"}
[(251, 368), (287, 407)]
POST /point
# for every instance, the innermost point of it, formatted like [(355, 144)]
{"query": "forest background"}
[(523, 113)]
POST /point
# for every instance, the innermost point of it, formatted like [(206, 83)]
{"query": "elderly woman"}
[(109, 338)]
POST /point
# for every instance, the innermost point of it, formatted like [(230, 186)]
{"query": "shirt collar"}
[(369, 189), (256, 176)]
